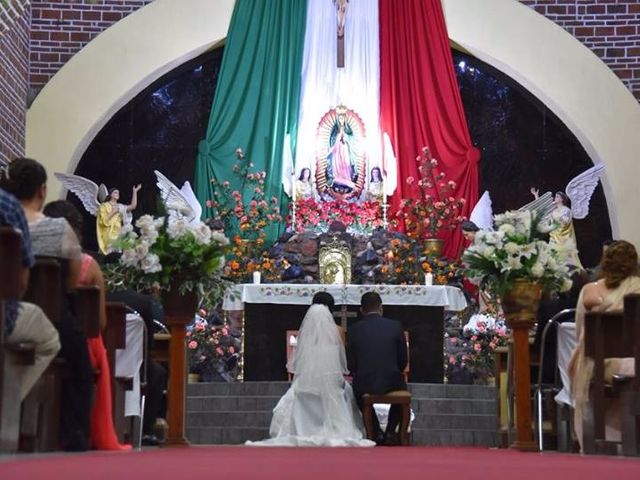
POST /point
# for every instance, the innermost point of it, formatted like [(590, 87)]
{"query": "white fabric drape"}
[(324, 85)]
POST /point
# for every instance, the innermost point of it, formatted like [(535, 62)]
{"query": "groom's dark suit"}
[(377, 355)]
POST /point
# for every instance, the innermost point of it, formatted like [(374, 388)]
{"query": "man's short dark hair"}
[(370, 301), (469, 226), (324, 298)]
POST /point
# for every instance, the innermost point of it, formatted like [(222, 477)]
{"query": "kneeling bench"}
[(397, 397)]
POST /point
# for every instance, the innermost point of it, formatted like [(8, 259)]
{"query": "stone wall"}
[(14, 80)]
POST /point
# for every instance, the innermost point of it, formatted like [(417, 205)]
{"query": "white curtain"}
[(324, 85)]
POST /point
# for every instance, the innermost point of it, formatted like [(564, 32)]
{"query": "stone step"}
[(237, 388), (267, 403), (228, 419), (454, 437), (225, 435), (245, 419), (455, 422), (231, 403), (424, 390), (238, 435)]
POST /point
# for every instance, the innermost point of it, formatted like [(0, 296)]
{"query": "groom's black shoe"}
[(380, 438), (391, 438)]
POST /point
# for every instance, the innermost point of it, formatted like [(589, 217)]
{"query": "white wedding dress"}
[(319, 409)]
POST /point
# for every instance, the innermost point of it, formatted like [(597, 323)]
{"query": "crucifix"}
[(343, 314), (341, 13)]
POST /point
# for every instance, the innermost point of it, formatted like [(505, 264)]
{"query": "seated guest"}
[(619, 267), (54, 237), (26, 322), (103, 434)]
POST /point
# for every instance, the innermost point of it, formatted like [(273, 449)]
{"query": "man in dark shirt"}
[(377, 356), (25, 322)]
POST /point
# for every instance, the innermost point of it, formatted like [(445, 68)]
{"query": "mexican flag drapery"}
[(279, 76)]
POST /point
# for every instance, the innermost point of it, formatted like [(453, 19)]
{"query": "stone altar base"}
[(231, 413)]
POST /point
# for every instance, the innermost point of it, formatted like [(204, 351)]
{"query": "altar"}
[(272, 309)]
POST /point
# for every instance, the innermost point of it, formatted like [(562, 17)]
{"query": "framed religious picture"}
[(334, 260), (341, 160)]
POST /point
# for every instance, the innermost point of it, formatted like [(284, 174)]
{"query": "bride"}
[(319, 409)]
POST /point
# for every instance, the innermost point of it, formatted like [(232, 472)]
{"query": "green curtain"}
[(257, 97)]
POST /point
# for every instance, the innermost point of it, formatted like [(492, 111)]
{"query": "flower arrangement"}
[(434, 208), (212, 350), (165, 249), (248, 217), (517, 250), (473, 350), (406, 264), (358, 217), (242, 264)]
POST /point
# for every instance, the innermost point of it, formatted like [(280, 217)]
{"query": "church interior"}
[(256, 238)]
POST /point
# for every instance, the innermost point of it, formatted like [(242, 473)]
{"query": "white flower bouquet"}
[(517, 250), (165, 250)]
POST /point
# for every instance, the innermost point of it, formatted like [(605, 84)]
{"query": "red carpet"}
[(233, 463)]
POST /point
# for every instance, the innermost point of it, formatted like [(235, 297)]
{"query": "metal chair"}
[(542, 388)]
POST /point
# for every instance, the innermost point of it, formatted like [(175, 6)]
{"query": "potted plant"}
[(517, 252), (169, 254), (434, 208)]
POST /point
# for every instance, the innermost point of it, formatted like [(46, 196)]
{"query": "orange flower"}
[(234, 265)]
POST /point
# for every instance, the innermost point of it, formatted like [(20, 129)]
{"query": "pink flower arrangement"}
[(434, 207), (358, 217)]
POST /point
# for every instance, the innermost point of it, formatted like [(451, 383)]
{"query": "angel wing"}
[(482, 213), (4, 164), (543, 205), (192, 200), (174, 199), (90, 194), (581, 188)]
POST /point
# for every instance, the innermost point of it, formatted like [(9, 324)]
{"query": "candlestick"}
[(256, 277), (428, 279)]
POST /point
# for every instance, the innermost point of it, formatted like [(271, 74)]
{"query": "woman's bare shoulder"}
[(593, 294)]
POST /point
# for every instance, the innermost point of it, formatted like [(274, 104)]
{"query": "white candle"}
[(384, 190), (256, 277), (428, 279)]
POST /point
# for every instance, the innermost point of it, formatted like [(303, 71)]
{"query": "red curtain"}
[(420, 102)]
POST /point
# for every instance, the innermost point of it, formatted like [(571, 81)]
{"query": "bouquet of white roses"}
[(517, 250), (164, 250)]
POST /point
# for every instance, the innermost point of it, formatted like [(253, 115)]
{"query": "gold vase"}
[(520, 303), (433, 247)]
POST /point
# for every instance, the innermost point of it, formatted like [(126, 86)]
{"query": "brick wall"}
[(610, 28), (60, 28), (14, 81)]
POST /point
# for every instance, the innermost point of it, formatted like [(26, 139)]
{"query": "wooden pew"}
[(10, 355), (115, 337), (611, 335), (40, 425)]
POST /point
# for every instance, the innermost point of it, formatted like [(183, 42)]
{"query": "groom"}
[(377, 355)]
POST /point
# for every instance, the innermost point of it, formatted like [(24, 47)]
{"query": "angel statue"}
[(573, 203), (103, 204), (179, 202)]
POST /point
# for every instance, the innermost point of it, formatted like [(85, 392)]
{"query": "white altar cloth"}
[(451, 298)]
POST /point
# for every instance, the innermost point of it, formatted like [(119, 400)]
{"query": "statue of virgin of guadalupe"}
[(341, 165)]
